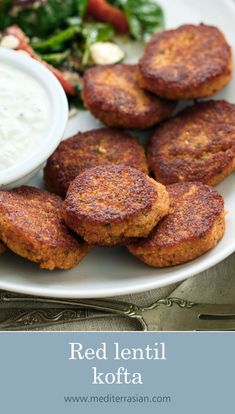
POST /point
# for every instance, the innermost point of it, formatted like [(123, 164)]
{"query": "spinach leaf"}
[(144, 16)]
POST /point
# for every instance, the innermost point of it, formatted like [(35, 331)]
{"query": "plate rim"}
[(142, 285)]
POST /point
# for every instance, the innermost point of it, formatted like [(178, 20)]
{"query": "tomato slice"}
[(102, 10)]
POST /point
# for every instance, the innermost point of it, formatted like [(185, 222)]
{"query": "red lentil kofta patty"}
[(192, 61), (109, 204), (89, 149), (31, 225), (196, 145), (194, 225), (112, 94)]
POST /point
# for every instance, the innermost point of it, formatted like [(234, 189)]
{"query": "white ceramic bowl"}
[(22, 171)]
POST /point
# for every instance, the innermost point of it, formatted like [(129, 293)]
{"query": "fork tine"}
[(175, 314), (225, 324)]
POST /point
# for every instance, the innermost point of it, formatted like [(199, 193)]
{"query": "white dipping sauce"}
[(24, 115)]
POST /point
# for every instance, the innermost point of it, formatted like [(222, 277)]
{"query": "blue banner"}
[(108, 372)]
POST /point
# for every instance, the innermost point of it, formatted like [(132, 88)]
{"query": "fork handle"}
[(43, 317), (104, 305)]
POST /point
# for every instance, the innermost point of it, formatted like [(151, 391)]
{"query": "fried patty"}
[(196, 145), (31, 225), (193, 226), (89, 149), (186, 63), (112, 94), (109, 204)]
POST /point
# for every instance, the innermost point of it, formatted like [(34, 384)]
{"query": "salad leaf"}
[(57, 40), (41, 18), (81, 7), (95, 32), (85, 35), (77, 101), (144, 17), (5, 6), (56, 59)]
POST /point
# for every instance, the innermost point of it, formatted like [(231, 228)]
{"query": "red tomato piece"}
[(102, 10)]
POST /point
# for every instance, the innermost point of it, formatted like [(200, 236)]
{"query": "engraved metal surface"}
[(182, 303), (164, 314), (42, 317)]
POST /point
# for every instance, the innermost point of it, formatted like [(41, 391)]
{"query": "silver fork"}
[(163, 315)]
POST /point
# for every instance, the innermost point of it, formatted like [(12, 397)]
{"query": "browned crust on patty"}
[(89, 149), (108, 204), (196, 145), (31, 225), (192, 61), (193, 226), (112, 94)]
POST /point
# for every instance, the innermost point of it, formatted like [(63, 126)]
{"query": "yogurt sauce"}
[(24, 115)]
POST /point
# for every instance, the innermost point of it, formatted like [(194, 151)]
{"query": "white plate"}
[(113, 271)]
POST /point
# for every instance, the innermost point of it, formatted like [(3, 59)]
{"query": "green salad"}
[(62, 34)]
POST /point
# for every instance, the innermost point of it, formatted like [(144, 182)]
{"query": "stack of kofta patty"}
[(109, 199)]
